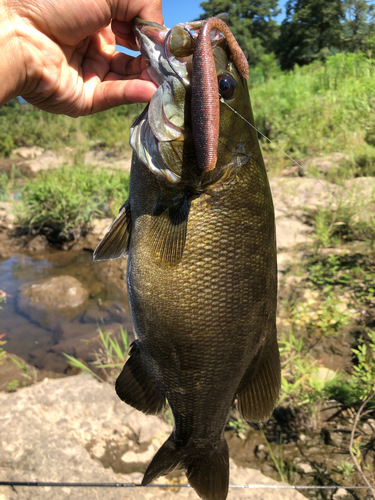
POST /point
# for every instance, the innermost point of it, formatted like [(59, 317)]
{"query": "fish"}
[(199, 232)]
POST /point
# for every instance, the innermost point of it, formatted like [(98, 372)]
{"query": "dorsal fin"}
[(115, 243)]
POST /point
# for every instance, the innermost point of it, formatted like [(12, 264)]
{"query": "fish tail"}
[(207, 470)]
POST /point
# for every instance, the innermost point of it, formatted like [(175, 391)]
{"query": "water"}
[(42, 346)]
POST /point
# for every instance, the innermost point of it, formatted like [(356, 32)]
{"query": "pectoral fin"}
[(115, 243), (135, 386), (168, 233), (258, 395)]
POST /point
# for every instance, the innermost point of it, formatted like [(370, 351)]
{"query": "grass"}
[(28, 126), (318, 109), (63, 202)]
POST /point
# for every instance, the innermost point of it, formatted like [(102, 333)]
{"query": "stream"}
[(41, 344)]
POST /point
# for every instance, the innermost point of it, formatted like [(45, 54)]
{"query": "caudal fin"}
[(207, 471)]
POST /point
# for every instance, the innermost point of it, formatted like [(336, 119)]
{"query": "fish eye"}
[(227, 85)]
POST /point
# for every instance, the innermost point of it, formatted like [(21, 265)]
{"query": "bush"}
[(62, 202)]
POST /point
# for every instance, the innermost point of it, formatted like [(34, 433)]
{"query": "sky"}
[(178, 11)]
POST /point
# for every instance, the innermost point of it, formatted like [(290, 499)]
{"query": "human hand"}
[(62, 53)]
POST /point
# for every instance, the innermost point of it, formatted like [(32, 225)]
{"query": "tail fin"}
[(207, 471)]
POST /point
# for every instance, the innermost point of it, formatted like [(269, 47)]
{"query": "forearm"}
[(12, 67)]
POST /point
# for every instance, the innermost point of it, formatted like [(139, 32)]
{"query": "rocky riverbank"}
[(77, 430)]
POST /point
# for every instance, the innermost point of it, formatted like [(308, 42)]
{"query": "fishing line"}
[(174, 485), (182, 80), (294, 161)]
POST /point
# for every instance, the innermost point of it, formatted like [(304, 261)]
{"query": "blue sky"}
[(178, 11), (187, 10)]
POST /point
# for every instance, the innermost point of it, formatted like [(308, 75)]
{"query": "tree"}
[(312, 29), (359, 24), (252, 23)]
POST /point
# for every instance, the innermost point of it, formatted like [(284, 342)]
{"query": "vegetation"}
[(24, 125), (62, 203), (312, 29)]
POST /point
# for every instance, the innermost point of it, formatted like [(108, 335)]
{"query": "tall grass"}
[(320, 108)]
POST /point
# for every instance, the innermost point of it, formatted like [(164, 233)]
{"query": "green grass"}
[(319, 109), (63, 202), (28, 126)]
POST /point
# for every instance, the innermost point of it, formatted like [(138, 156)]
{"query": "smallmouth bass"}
[(199, 231)]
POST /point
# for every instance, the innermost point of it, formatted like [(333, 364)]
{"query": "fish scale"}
[(201, 265)]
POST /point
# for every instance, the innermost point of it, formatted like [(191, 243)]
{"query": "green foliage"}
[(359, 24), (28, 126), (110, 357), (12, 386), (312, 29), (302, 383), (62, 203), (2, 342), (363, 375), (319, 109), (29, 372), (240, 426), (346, 468), (252, 22), (9, 182)]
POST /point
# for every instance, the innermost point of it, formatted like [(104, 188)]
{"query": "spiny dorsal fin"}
[(257, 396), (168, 233), (115, 243)]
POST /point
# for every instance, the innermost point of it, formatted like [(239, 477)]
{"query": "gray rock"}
[(47, 430), (46, 300), (325, 163), (7, 218), (107, 159)]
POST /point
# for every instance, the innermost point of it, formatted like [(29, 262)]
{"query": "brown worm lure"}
[(205, 91)]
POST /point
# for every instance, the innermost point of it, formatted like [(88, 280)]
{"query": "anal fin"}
[(115, 243), (135, 386), (258, 395)]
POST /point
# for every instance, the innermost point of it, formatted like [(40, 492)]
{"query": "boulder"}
[(48, 300), (65, 429)]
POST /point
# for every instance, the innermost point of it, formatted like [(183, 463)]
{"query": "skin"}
[(60, 55)]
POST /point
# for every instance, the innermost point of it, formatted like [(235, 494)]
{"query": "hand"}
[(63, 53)]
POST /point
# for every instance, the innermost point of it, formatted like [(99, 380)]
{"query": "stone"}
[(7, 218), (46, 161), (58, 430), (325, 163), (46, 301), (291, 232), (27, 152), (341, 493), (38, 244), (305, 468), (107, 159)]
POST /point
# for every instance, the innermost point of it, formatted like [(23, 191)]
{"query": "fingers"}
[(113, 93), (149, 10)]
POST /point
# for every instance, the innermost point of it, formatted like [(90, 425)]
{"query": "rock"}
[(46, 301), (341, 494), (38, 244), (7, 218), (58, 430), (291, 232), (46, 161), (305, 468), (107, 159), (27, 152), (325, 163)]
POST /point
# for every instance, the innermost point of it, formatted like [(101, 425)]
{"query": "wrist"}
[(11, 62)]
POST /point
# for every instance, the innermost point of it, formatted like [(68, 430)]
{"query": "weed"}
[(29, 372), (62, 203), (110, 357), (12, 386), (2, 351), (345, 468), (240, 426), (363, 375)]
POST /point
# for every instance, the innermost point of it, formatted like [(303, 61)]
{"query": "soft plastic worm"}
[(205, 91)]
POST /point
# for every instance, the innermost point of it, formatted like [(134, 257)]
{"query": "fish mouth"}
[(164, 125)]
